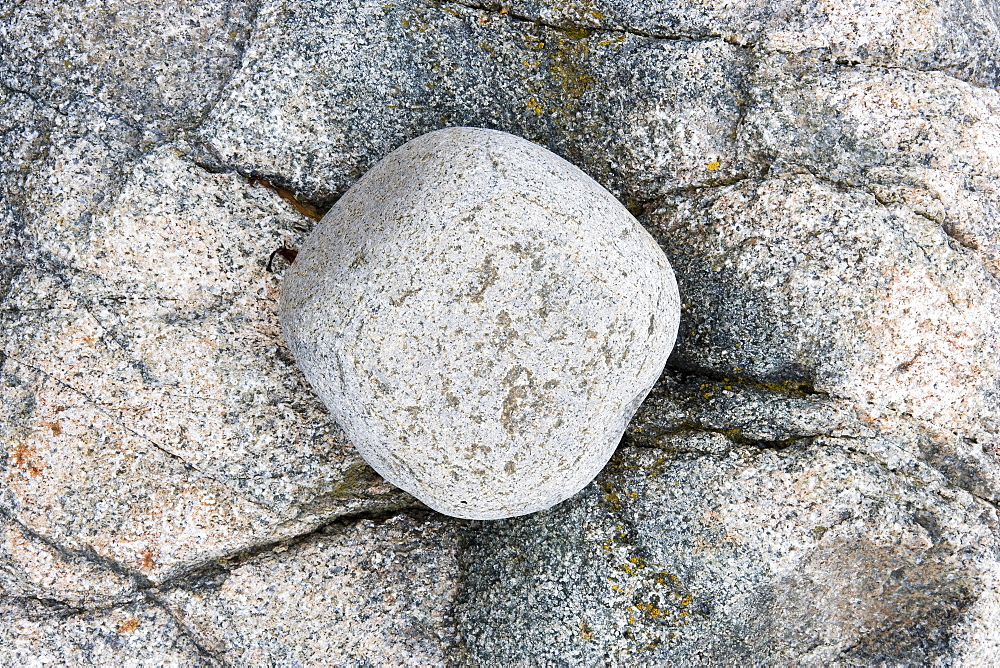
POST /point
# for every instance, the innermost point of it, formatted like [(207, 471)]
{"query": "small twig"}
[(289, 255)]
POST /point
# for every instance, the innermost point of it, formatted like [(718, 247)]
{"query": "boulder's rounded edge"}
[(482, 319)]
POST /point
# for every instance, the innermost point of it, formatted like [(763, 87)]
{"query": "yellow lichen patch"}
[(578, 32), (534, 43), (617, 40), (651, 610), (714, 165), (568, 65), (532, 104)]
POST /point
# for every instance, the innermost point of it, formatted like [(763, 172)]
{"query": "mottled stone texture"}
[(813, 480), (482, 319)]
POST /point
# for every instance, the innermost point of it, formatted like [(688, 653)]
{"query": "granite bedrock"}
[(813, 479)]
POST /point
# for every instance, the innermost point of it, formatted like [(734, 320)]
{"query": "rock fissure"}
[(791, 387), (734, 435), (277, 184), (580, 31), (210, 570), (201, 647), (76, 555), (875, 64)]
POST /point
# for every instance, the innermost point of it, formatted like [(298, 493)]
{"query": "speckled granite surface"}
[(814, 478)]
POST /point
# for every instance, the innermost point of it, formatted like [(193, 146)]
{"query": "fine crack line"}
[(876, 64), (146, 590), (247, 554), (872, 190), (187, 632), (993, 504), (242, 46), (86, 554), (964, 248), (101, 407), (587, 29), (44, 104), (947, 478), (54, 606)]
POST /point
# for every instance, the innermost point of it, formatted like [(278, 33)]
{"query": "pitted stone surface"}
[(482, 319)]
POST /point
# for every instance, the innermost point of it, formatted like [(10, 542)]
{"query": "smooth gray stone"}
[(482, 319)]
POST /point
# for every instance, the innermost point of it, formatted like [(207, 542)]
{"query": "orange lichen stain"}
[(129, 625), (147, 562), (714, 165), (53, 425), (26, 457)]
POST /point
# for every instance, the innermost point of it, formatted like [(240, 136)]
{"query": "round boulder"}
[(482, 319)]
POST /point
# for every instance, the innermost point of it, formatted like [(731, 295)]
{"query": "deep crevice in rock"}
[(313, 209), (790, 387), (212, 573), (733, 435)]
